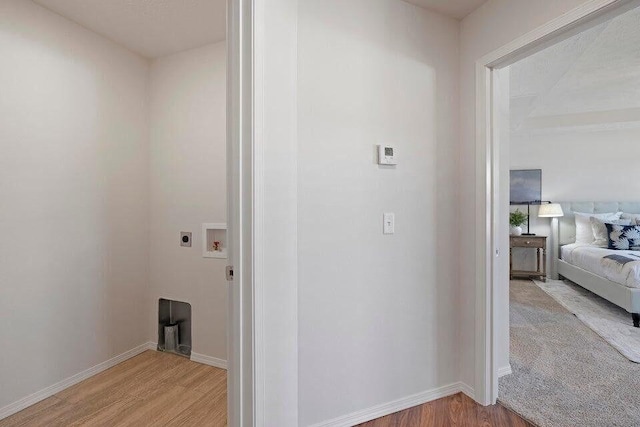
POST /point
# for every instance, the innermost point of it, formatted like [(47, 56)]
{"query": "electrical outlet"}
[(185, 239)]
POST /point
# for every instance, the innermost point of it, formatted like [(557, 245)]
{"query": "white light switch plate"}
[(389, 223)]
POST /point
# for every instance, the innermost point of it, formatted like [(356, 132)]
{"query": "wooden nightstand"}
[(539, 243)]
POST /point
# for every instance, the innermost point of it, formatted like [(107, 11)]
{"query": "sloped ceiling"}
[(589, 80), (151, 28), (454, 8)]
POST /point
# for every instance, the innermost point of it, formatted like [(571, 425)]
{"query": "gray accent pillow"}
[(635, 218)]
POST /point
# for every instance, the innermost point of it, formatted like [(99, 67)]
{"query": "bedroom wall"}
[(73, 185), (377, 313), (188, 188), (493, 25), (596, 172)]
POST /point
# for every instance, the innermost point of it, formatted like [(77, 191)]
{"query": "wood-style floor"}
[(457, 410), (151, 389), (160, 389)]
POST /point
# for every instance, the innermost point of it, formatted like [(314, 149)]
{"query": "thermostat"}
[(386, 155)]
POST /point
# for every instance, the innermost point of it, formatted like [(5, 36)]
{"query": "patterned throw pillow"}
[(600, 231), (624, 237)]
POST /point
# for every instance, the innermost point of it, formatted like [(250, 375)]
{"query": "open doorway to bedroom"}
[(113, 178), (568, 115)]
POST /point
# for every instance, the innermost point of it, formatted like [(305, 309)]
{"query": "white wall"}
[(188, 188), (74, 210), (495, 24), (595, 172), (275, 208), (377, 314)]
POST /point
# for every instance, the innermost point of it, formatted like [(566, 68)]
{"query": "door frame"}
[(240, 332), (262, 210), (490, 251)]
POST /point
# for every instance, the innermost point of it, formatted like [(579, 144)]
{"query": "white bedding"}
[(590, 258)]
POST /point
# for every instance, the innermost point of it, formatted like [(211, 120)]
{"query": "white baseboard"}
[(36, 397), (468, 390), (505, 370), (199, 358), (209, 360), (396, 405)]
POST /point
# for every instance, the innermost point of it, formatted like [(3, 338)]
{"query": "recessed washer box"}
[(214, 240)]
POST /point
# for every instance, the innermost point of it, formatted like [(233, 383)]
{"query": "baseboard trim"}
[(396, 405), (505, 370), (208, 360), (468, 390), (199, 358), (36, 397)]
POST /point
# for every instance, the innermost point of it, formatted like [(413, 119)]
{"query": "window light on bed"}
[(550, 210)]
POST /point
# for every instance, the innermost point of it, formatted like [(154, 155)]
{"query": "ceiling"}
[(454, 8), (152, 28), (589, 81), (155, 28)]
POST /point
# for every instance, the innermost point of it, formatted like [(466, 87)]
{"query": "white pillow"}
[(600, 232), (584, 231), (635, 218)]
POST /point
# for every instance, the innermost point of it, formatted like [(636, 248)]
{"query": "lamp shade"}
[(550, 210)]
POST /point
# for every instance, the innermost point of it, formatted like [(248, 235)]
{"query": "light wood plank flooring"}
[(160, 389), (151, 389)]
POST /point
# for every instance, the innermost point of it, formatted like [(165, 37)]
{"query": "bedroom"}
[(574, 288)]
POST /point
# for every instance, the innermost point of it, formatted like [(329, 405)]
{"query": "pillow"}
[(584, 231), (624, 237), (600, 232), (635, 218)]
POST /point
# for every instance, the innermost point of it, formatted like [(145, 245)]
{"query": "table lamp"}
[(553, 211)]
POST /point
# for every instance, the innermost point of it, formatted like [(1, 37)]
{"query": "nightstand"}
[(539, 244)]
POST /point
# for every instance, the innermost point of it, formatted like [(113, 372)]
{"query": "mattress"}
[(622, 267)]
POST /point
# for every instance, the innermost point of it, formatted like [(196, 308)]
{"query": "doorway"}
[(492, 334), (119, 192)]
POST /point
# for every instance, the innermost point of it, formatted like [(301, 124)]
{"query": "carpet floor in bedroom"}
[(564, 374)]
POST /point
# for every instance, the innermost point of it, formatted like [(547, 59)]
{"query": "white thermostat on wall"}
[(386, 155)]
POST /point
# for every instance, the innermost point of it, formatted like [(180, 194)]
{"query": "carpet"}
[(608, 320), (564, 374)]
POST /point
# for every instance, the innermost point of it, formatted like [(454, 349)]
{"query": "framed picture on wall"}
[(525, 186)]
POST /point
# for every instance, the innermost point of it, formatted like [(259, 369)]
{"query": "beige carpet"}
[(564, 374), (608, 320)]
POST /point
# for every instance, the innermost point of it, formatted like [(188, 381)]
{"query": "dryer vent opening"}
[(174, 327)]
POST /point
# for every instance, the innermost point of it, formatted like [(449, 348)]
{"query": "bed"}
[(612, 274)]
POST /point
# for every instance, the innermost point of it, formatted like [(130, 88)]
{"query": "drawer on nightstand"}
[(526, 242)]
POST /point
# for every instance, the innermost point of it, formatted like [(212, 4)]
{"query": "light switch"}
[(389, 222)]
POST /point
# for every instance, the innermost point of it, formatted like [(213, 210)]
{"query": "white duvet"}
[(617, 268)]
